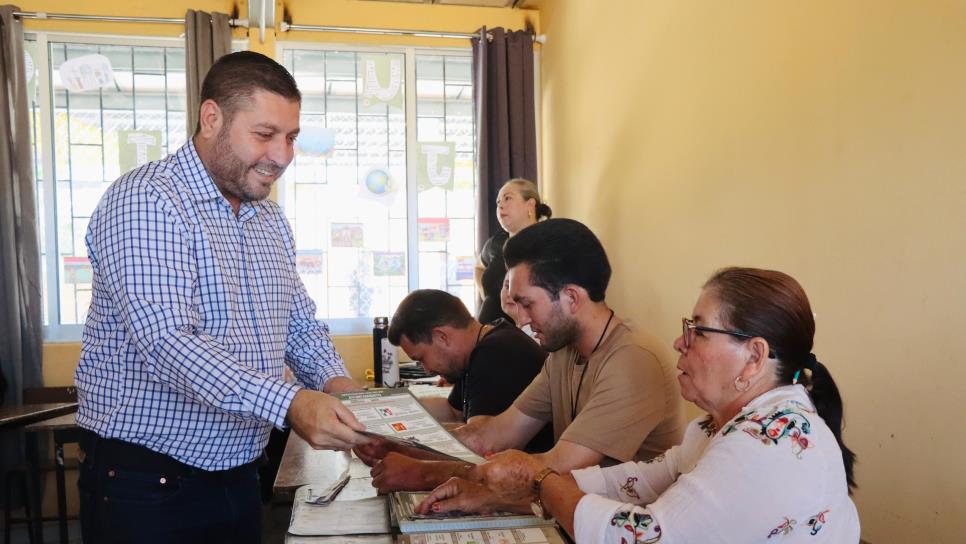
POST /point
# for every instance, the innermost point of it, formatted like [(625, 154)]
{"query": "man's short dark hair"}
[(560, 252), (234, 78), (422, 311)]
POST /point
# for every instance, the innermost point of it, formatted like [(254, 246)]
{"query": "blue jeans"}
[(131, 494)]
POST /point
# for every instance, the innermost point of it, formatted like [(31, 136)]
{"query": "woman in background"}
[(518, 206)]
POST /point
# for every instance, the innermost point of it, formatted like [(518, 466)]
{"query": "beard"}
[(231, 173), (559, 331), (452, 373)]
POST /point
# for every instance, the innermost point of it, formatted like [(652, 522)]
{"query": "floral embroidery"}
[(656, 459), (628, 488), (642, 526), (774, 425), (707, 425), (817, 521), (783, 529)]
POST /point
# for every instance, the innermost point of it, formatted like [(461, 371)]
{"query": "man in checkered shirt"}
[(196, 309)]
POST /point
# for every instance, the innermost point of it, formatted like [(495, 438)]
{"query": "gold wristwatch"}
[(537, 504)]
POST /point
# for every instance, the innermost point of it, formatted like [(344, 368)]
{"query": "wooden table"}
[(302, 465), (65, 430), (12, 416), (29, 415)]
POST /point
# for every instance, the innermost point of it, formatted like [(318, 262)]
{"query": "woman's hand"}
[(510, 474), (457, 494)]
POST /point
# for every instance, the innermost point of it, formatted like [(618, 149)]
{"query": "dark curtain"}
[(506, 134), (207, 38), (21, 313)]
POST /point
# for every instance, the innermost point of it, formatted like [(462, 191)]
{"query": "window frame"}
[(363, 325), (55, 330)]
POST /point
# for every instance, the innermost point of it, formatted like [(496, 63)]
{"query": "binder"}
[(403, 504)]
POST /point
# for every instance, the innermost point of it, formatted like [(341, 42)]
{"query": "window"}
[(113, 104), (382, 192)]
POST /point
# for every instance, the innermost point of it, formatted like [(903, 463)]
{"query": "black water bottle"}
[(380, 328)]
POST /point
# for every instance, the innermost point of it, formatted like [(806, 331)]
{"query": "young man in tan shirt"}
[(609, 398)]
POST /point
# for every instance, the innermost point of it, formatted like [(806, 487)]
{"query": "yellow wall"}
[(60, 359), (823, 138)]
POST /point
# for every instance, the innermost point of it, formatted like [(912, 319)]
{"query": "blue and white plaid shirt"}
[(193, 312)]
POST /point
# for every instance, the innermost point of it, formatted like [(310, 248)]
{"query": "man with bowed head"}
[(489, 364), (196, 309), (609, 398)]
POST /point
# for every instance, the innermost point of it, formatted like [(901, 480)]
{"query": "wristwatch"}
[(537, 504)]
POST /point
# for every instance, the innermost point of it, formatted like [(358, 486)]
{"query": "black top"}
[(501, 366), (494, 271)]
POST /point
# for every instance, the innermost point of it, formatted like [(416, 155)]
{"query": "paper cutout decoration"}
[(463, 268), (87, 73), (381, 80), (388, 263), (433, 229), (436, 164), (77, 270), (137, 147), (309, 261), (315, 141), (347, 235)]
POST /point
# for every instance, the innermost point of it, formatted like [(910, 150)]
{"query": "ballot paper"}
[(523, 535), (343, 539), (398, 415), (340, 517)]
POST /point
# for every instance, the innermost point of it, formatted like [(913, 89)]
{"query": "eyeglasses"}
[(688, 326)]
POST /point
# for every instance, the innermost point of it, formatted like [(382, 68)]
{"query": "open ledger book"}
[(522, 535), (402, 505)]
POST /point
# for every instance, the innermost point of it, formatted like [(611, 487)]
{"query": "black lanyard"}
[(466, 376), (573, 409)]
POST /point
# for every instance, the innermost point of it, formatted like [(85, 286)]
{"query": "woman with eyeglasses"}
[(766, 463)]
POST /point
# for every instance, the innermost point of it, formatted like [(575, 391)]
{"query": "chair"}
[(17, 477)]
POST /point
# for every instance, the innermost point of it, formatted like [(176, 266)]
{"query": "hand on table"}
[(462, 495), (324, 422)]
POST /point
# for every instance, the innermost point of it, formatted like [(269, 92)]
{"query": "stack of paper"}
[(340, 517)]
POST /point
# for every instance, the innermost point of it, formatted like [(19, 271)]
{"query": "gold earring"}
[(741, 385)]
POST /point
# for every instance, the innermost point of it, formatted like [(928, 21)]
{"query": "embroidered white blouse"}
[(774, 473)]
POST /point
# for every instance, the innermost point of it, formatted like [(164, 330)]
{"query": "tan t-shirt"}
[(629, 405)]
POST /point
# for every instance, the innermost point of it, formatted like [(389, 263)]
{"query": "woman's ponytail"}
[(543, 211), (828, 402)]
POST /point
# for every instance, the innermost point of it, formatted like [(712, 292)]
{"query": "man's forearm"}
[(437, 472), (475, 435)]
